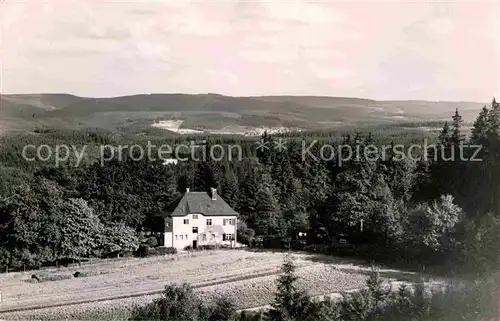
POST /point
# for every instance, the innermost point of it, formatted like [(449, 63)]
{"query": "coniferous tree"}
[(282, 173), (290, 302), (267, 210), (208, 175), (216, 174), (248, 199), (201, 177), (294, 210), (444, 136), (265, 149), (480, 129), (185, 176), (229, 188), (494, 120), (456, 136), (442, 158)]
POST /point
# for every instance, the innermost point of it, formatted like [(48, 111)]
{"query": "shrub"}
[(357, 306), (86, 274), (152, 241), (145, 251), (180, 303), (162, 251), (142, 251), (206, 247), (4, 258), (57, 277), (51, 277), (464, 301), (245, 234), (118, 238), (127, 254)]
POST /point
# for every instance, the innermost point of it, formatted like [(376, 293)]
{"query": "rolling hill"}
[(215, 112)]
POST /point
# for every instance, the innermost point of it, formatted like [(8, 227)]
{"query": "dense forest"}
[(433, 211)]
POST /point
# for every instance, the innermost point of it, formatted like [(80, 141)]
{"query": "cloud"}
[(99, 32), (380, 50)]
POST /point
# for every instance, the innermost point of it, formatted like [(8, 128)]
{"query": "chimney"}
[(214, 194), (187, 190)]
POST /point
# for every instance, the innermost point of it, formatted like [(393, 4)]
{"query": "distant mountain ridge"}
[(214, 111)]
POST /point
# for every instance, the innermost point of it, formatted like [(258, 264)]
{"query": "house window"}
[(195, 229), (227, 237), (229, 221), (186, 236), (209, 221), (181, 236), (176, 236), (186, 221), (195, 216)]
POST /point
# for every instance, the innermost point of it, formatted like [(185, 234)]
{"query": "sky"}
[(390, 50)]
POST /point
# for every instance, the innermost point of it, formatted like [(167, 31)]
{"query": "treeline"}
[(433, 210)]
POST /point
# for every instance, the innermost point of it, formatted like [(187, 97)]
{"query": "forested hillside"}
[(431, 211), (216, 112)]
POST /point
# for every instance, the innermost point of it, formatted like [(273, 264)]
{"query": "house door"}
[(195, 244)]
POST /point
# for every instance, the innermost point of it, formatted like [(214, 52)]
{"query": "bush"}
[(57, 277), (127, 254), (5, 259), (145, 251), (86, 274), (466, 301), (51, 277), (206, 247), (118, 238), (245, 234), (180, 303), (222, 309), (162, 251), (152, 241), (142, 251)]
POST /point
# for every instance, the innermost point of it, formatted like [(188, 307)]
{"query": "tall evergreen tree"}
[(456, 136), (282, 173), (444, 136), (248, 188), (480, 129), (494, 120), (208, 175), (267, 210), (265, 149), (290, 302), (229, 188)]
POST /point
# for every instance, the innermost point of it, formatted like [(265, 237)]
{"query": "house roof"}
[(201, 203)]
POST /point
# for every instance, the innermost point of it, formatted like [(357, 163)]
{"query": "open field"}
[(115, 286)]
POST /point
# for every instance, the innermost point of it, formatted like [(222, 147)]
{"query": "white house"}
[(198, 219)]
